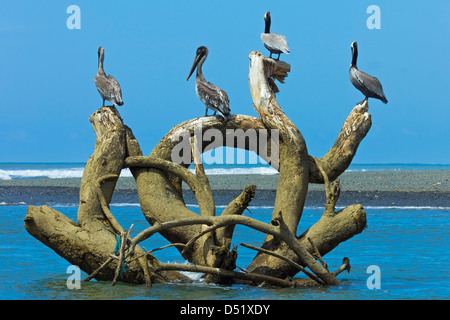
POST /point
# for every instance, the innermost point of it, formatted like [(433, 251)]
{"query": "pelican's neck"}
[(354, 56), (199, 69), (267, 30), (100, 63)]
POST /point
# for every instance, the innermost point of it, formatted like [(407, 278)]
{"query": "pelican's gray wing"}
[(368, 85), (275, 43), (109, 89), (117, 92), (213, 97), (104, 87)]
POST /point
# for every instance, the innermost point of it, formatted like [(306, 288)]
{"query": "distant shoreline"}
[(393, 188), (424, 180)]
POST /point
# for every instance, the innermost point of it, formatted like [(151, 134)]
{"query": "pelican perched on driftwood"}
[(368, 85), (274, 42), (107, 86), (213, 97)]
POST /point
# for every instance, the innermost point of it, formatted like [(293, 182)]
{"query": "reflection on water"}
[(409, 246)]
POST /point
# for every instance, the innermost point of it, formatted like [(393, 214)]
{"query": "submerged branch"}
[(345, 266), (255, 278), (292, 263)]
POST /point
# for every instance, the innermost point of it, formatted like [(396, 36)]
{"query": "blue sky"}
[(47, 71)]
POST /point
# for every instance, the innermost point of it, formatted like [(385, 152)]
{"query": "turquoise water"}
[(409, 246)]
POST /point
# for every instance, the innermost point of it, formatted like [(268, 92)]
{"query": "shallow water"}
[(410, 246)]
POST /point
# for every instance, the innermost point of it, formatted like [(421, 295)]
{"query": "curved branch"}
[(164, 148), (167, 166), (204, 195), (114, 223), (339, 157)]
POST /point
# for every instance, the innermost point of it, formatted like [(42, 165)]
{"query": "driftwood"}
[(89, 243), (205, 239)]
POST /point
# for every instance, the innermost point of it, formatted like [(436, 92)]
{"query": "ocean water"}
[(409, 246), (10, 171)]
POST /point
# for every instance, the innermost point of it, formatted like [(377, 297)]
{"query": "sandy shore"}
[(417, 181), (386, 188)]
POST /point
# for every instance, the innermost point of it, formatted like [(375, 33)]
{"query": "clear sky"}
[(47, 89)]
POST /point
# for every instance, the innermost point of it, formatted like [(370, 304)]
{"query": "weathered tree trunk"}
[(205, 239), (90, 243)]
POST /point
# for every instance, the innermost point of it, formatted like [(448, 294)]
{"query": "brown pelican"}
[(368, 85), (107, 86), (274, 42), (213, 97)]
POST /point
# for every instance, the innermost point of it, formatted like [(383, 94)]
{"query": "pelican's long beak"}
[(194, 65)]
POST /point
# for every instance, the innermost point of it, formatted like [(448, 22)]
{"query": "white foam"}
[(49, 173), (195, 276), (78, 172), (4, 175), (125, 204), (36, 173), (12, 204)]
